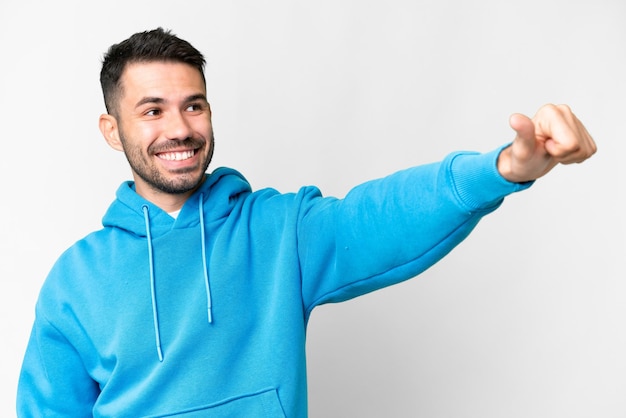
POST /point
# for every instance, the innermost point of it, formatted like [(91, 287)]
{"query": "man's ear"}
[(109, 129)]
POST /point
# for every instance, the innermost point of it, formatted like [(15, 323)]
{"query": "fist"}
[(553, 136)]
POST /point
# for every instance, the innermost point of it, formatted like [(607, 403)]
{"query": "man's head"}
[(153, 45), (158, 114)]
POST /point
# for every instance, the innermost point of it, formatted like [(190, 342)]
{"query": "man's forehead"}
[(151, 69), (156, 77)]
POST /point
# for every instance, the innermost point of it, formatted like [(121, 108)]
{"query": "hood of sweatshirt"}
[(222, 188), (214, 199)]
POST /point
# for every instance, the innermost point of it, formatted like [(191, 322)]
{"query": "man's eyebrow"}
[(195, 97), (160, 100), (145, 100)]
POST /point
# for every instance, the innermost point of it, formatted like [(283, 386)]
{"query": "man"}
[(194, 298)]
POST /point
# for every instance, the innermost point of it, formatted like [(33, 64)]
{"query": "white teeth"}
[(176, 156)]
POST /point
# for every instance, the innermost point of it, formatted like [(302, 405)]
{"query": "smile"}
[(177, 156)]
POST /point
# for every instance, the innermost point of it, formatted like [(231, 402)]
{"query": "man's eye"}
[(194, 107), (153, 112)]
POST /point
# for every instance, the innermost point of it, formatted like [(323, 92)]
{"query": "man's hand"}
[(554, 135)]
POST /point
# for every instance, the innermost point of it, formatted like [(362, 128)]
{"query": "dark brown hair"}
[(153, 45)]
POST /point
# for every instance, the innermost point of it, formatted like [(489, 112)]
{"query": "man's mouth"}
[(176, 155)]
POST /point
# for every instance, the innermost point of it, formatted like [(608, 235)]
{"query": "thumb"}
[(524, 143)]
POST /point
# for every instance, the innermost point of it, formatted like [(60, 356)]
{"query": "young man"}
[(194, 298)]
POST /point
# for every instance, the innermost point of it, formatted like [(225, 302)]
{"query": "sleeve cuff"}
[(478, 183)]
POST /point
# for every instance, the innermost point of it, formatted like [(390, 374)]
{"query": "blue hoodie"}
[(205, 315)]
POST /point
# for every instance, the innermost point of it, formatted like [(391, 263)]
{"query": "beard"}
[(178, 181)]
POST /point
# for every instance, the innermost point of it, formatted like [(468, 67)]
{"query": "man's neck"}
[(167, 201)]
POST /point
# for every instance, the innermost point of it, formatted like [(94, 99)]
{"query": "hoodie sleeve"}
[(53, 381), (389, 230)]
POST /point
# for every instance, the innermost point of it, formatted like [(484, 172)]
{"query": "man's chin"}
[(181, 184), (184, 187)]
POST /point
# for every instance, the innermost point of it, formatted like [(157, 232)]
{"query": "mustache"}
[(188, 142)]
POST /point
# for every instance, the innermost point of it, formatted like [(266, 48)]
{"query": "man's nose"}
[(178, 127)]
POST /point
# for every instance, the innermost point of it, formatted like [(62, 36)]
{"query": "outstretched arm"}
[(554, 135)]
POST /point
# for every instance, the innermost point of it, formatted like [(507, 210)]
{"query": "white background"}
[(526, 318)]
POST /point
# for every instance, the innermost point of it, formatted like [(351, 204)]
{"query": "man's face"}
[(164, 127)]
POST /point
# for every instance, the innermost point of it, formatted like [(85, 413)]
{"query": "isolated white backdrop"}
[(524, 319)]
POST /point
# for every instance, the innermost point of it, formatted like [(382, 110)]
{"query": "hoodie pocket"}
[(264, 404)]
